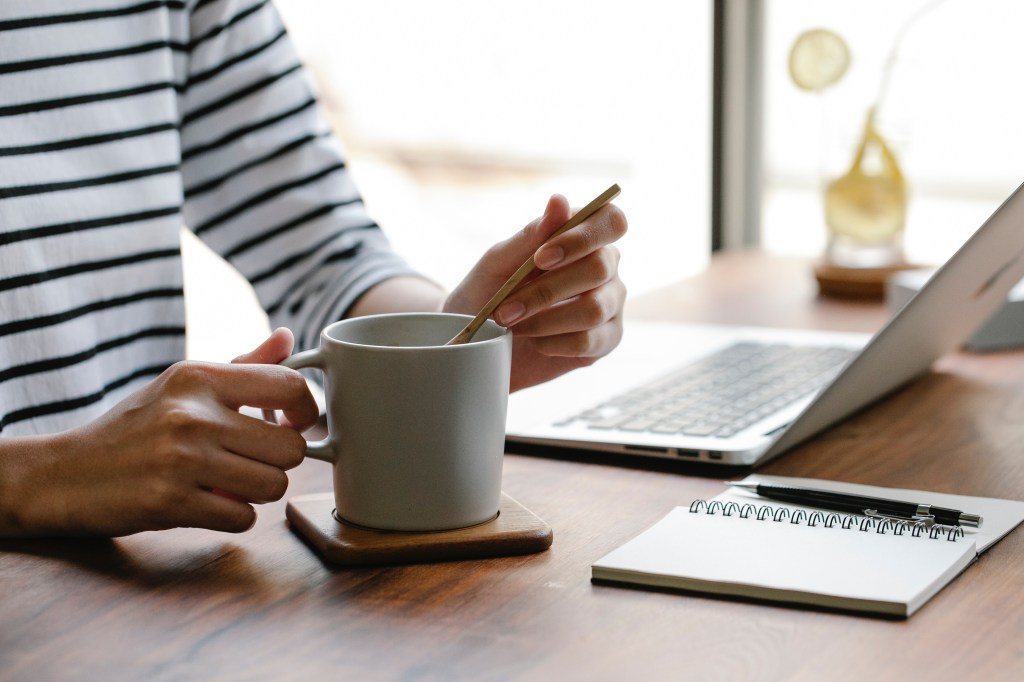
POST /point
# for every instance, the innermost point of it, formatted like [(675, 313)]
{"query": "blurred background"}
[(950, 112), (460, 118)]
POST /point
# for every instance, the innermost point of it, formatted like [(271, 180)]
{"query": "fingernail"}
[(510, 312), (548, 257)]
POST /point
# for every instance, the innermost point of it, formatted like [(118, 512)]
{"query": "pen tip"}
[(743, 484)]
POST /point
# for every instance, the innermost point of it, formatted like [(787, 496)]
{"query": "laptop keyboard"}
[(722, 393)]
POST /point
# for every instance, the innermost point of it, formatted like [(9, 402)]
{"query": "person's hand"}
[(568, 314), (160, 458)]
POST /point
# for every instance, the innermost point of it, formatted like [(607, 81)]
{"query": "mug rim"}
[(327, 339)]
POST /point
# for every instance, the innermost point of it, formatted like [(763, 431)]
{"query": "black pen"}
[(862, 504)]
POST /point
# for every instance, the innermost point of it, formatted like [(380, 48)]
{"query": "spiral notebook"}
[(740, 545)]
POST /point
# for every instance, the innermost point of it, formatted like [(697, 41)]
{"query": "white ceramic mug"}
[(416, 428)]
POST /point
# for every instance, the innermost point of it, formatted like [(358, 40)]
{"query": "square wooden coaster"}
[(515, 530)]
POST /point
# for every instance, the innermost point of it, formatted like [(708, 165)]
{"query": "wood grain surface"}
[(191, 604)]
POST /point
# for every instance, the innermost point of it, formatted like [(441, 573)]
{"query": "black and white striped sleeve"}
[(265, 181)]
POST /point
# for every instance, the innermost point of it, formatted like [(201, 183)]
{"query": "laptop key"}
[(638, 424), (701, 429)]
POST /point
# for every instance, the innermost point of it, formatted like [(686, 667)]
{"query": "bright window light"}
[(461, 118), (951, 112)]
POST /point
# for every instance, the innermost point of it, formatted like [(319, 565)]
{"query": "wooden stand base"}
[(862, 283), (515, 530)]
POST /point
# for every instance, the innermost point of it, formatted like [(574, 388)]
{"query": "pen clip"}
[(925, 519)]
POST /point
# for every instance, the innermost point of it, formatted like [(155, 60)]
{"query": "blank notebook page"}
[(779, 560)]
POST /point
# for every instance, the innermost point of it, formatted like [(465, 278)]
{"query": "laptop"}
[(655, 395)]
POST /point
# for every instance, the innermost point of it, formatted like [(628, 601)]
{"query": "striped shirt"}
[(121, 120)]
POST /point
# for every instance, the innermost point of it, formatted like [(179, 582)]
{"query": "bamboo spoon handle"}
[(526, 268)]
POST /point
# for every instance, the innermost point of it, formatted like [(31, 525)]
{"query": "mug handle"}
[(318, 449)]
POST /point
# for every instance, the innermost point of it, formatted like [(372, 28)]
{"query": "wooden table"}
[(192, 604)]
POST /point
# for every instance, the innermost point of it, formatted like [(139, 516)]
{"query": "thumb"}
[(506, 257), (272, 351), (556, 214), (526, 242)]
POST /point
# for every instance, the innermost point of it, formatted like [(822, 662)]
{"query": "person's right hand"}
[(154, 460)]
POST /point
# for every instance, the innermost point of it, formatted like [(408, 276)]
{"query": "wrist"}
[(27, 504), (15, 459)]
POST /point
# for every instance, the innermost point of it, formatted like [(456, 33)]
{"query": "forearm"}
[(399, 295)]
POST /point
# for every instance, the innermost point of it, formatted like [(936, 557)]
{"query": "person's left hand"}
[(567, 313)]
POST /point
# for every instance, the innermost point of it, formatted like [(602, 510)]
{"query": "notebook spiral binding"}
[(764, 512)]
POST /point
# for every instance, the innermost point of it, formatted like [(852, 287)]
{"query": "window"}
[(951, 112), (460, 118)]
